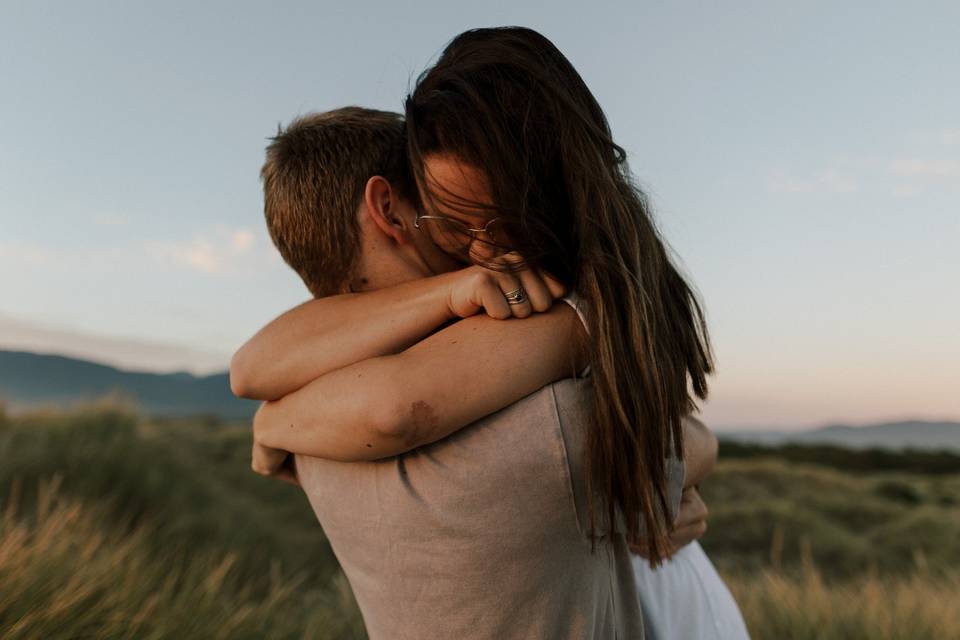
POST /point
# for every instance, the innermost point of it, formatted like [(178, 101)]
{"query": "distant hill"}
[(31, 381), (129, 354), (913, 434)]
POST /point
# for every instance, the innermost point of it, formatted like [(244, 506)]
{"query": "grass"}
[(118, 527), (66, 573), (161, 506), (921, 606), (763, 513)]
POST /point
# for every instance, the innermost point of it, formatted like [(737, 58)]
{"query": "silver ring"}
[(517, 296)]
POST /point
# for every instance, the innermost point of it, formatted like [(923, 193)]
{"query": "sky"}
[(803, 161)]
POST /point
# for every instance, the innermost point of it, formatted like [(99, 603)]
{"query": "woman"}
[(508, 101), (506, 114)]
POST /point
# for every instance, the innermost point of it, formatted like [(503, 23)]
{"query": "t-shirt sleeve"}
[(676, 476)]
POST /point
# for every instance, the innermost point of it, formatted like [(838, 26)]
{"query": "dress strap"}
[(575, 301)]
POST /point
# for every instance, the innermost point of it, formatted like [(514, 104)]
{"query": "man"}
[(481, 533)]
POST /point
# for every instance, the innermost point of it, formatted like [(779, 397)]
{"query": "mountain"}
[(31, 381), (912, 434), (125, 353)]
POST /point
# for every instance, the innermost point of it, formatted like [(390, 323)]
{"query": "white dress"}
[(684, 598)]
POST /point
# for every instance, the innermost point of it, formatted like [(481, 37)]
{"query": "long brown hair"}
[(507, 101)]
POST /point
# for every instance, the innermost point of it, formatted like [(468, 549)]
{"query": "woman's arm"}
[(387, 405), (326, 334), (390, 404), (329, 333)]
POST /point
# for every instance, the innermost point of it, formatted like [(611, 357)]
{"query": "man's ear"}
[(380, 199)]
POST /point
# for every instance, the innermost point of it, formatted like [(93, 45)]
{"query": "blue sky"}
[(803, 160)]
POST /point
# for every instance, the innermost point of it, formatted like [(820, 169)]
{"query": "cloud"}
[(242, 240), (110, 220), (925, 168), (950, 136), (906, 190), (826, 181), (29, 255), (217, 251)]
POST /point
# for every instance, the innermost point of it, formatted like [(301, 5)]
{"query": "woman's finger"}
[(493, 301), (556, 288), (536, 289), (287, 476), (685, 535), (265, 460), (511, 284), (538, 297), (692, 508), (639, 549)]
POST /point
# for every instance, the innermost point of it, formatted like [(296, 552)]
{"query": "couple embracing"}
[(488, 401)]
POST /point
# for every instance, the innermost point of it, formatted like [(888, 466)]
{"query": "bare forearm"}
[(390, 404), (699, 451), (336, 416), (329, 333)]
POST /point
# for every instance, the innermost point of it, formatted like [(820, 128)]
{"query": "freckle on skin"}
[(369, 445)]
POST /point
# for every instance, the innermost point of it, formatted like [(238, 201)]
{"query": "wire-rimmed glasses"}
[(453, 236)]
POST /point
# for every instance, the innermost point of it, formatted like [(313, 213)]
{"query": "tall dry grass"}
[(66, 571), (116, 527), (924, 605)]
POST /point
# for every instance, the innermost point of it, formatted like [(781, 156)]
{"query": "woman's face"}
[(452, 180)]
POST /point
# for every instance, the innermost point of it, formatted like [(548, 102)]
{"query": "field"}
[(116, 527)]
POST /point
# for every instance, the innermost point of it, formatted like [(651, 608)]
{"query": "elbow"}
[(714, 448), (243, 382), (705, 438), (393, 428), (700, 449), (391, 417), (239, 383), (395, 423), (711, 450), (376, 434), (711, 446)]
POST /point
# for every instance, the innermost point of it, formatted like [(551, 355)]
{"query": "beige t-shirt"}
[(481, 535)]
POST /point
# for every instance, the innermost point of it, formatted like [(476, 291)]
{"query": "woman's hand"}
[(271, 462), (476, 287), (690, 525)]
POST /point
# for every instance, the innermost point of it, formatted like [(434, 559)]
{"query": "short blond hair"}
[(313, 182)]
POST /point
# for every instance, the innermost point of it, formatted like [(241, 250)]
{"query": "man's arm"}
[(390, 404)]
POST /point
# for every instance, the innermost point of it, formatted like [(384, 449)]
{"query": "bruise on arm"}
[(423, 421), (457, 376)]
